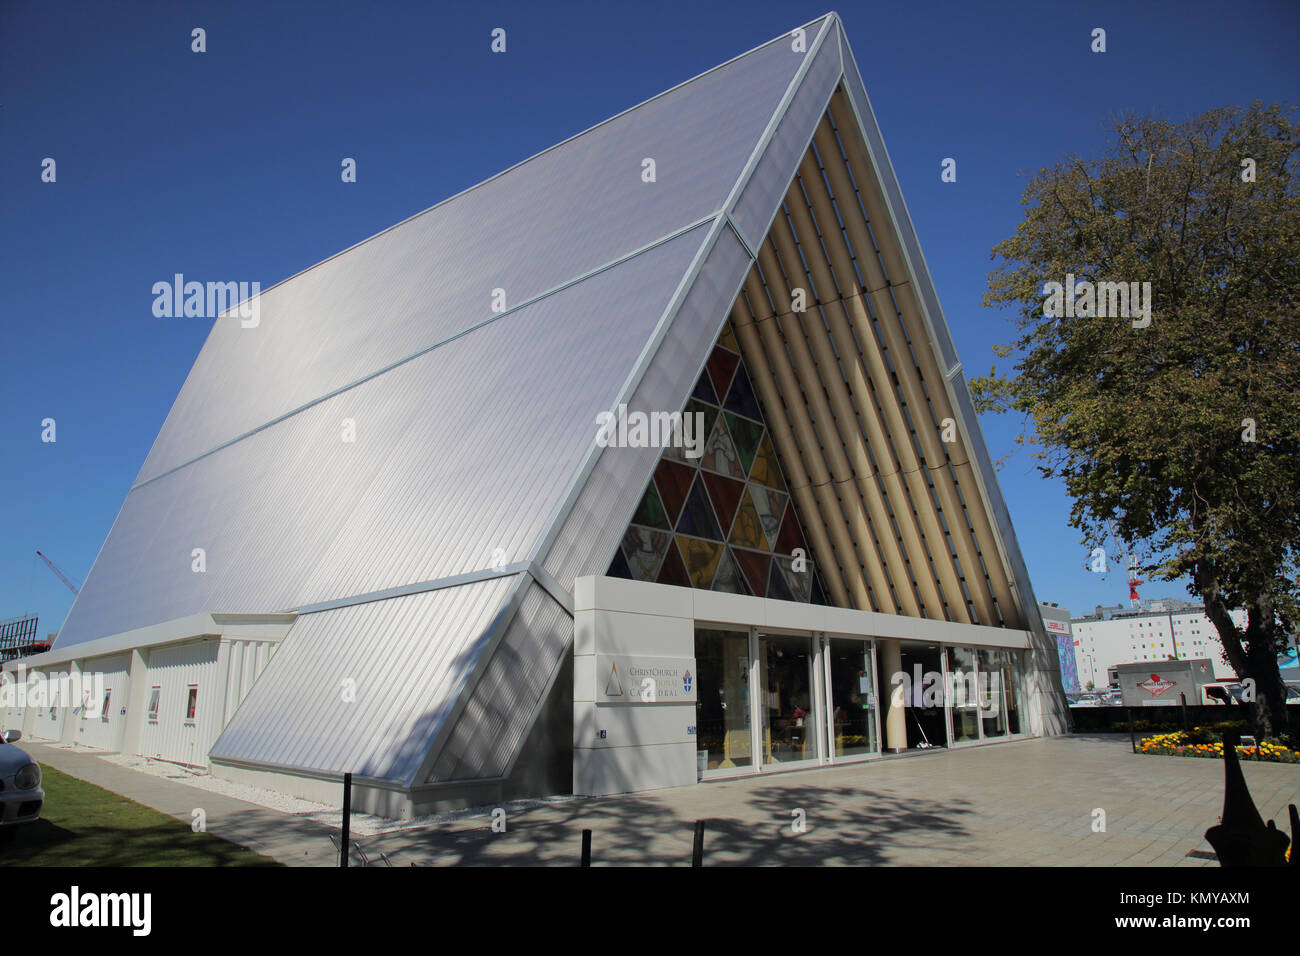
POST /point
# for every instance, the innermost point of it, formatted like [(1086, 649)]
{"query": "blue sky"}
[(227, 164)]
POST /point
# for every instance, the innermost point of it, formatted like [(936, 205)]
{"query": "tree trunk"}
[(1253, 655)]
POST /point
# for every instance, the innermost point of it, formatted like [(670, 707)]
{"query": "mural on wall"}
[(1069, 672)]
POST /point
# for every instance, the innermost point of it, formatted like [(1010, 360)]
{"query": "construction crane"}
[(62, 577)]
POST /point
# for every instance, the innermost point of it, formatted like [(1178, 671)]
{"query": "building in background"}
[(1056, 620), (413, 525), (1158, 630)]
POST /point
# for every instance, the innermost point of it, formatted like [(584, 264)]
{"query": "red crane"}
[(62, 577)]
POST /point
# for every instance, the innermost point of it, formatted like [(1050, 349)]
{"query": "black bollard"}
[(586, 848), (697, 851), (347, 818)]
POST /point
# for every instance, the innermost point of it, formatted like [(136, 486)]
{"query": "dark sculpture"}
[(1242, 838)]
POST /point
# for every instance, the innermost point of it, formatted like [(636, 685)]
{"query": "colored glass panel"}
[(618, 567), (728, 576), (720, 453), (777, 589), (697, 425), (791, 536), (674, 482), (697, 517), (726, 497), (741, 398), (765, 469), (704, 390), (728, 338), (747, 530), (701, 558), (651, 511), (819, 590), (673, 569), (799, 583), (755, 565), (721, 366), (770, 505), (746, 435), (643, 547)]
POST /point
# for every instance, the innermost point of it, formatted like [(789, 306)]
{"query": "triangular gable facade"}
[(432, 560)]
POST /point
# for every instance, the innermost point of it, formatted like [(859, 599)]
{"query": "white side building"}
[(1157, 631)]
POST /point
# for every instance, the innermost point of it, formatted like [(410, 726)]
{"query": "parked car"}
[(21, 796), (1089, 700), (1113, 700)]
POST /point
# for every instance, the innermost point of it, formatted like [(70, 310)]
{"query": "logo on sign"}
[(613, 686), (1155, 685), (686, 682)]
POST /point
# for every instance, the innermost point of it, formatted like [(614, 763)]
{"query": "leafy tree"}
[(1180, 435)]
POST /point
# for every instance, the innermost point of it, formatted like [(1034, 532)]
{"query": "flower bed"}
[(1180, 744)]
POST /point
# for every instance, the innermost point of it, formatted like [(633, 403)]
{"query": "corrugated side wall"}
[(499, 712), (47, 723), (247, 661), (172, 670), (364, 688), (98, 727)]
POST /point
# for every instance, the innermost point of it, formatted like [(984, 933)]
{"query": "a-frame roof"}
[(432, 557)]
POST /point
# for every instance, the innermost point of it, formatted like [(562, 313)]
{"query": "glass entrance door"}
[(723, 735), (853, 704), (964, 694), (788, 699)]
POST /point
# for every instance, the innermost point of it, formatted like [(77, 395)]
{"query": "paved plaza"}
[(1025, 803)]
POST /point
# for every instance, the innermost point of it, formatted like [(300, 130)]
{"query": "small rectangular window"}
[(154, 696), (192, 704)]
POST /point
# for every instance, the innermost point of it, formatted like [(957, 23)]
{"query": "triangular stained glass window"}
[(725, 520)]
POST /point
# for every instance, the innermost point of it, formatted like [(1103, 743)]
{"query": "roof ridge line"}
[(445, 340)]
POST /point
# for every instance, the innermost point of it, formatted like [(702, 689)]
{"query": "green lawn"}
[(85, 825)]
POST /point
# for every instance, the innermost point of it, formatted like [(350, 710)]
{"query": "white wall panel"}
[(173, 669)]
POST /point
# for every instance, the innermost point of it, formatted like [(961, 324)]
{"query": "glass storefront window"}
[(722, 718), (992, 697), (964, 695), (852, 698), (789, 721), (1013, 677)]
